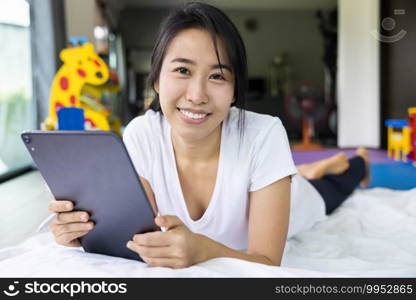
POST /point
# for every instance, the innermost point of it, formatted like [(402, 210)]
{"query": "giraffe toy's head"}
[(86, 64)]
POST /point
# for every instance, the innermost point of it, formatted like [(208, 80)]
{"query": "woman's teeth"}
[(192, 115)]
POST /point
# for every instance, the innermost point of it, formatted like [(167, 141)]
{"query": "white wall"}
[(358, 74), (80, 18)]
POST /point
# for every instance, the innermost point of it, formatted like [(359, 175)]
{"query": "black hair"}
[(216, 22)]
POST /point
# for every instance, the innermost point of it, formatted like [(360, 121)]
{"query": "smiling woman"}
[(218, 175)]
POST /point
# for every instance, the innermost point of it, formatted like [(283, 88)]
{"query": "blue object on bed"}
[(397, 176)]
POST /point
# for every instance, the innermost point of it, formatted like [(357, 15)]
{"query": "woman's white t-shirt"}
[(262, 157)]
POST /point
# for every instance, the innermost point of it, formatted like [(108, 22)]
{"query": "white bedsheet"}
[(39, 256), (372, 234)]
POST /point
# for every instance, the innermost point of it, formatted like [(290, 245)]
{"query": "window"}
[(17, 109)]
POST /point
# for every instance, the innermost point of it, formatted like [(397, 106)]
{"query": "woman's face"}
[(195, 96)]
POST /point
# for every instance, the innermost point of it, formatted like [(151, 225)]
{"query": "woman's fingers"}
[(58, 206), (151, 252), (70, 238), (69, 225), (68, 234), (155, 238), (61, 229), (164, 262), (72, 217)]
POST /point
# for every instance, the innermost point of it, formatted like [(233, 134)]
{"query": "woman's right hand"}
[(69, 225)]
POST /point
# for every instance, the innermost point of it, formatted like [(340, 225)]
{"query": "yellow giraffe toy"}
[(81, 65)]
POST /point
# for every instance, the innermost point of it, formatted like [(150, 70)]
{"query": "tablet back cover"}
[(93, 169)]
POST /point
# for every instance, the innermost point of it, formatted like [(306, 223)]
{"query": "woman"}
[(219, 176)]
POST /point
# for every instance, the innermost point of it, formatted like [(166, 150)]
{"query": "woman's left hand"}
[(177, 247)]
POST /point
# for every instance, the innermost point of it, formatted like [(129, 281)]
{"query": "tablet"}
[(94, 170)]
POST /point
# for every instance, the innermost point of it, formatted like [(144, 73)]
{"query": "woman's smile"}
[(191, 117)]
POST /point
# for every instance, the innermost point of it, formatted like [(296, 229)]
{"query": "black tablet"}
[(94, 170)]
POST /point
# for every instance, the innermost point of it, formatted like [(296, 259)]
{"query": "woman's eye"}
[(182, 70), (217, 77)]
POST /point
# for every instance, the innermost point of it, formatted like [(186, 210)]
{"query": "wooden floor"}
[(24, 202)]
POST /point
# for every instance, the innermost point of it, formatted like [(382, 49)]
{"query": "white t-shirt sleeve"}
[(137, 139), (272, 157)]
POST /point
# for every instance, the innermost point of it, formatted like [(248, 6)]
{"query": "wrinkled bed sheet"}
[(40, 256), (373, 234)]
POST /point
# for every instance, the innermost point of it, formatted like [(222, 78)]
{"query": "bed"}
[(371, 235)]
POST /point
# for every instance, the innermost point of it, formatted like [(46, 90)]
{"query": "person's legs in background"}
[(335, 178), (333, 165)]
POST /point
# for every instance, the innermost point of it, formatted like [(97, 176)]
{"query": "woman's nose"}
[(197, 92)]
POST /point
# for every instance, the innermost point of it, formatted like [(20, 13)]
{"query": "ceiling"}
[(115, 6), (235, 4)]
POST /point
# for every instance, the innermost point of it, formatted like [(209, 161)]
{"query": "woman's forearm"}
[(209, 249)]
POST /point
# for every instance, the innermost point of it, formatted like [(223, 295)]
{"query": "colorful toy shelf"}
[(401, 137)]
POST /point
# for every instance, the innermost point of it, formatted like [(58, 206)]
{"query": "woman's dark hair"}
[(213, 20)]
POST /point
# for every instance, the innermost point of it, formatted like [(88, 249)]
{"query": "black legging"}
[(334, 189)]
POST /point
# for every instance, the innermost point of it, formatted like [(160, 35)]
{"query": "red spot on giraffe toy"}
[(81, 73), (72, 100), (64, 83), (81, 65)]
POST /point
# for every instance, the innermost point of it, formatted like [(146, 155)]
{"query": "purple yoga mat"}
[(302, 157)]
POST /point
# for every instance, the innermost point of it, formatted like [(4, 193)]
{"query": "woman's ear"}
[(156, 86)]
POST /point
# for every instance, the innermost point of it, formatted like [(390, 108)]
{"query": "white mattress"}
[(372, 234)]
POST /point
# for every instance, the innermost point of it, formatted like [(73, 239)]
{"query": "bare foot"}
[(333, 165), (337, 164), (361, 151)]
